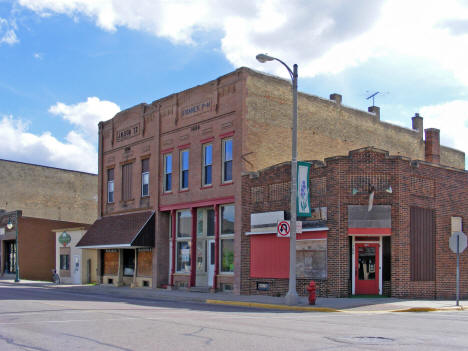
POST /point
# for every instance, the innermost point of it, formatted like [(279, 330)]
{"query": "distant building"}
[(170, 194), (48, 192), (40, 199)]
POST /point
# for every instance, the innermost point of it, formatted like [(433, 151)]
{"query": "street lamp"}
[(291, 297), (10, 226)]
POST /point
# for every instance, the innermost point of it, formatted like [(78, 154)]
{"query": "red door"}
[(367, 269)]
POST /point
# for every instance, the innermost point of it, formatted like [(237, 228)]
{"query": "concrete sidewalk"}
[(323, 304)]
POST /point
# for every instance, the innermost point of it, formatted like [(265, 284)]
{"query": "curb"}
[(271, 306), (431, 309)]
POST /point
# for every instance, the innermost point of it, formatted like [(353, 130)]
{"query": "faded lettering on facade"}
[(128, 133), (198, 108)]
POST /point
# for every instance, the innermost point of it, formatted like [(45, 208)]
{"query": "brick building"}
[(397, 248), (36, 245), (170, 173), (40, 198)]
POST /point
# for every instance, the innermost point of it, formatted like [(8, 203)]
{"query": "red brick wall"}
[(413, 183)]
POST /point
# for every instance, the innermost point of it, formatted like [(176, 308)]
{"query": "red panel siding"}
[(269, 255)]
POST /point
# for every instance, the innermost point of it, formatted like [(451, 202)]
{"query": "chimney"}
[(336, 97), (418, 124), (432, 143), (375, 110)]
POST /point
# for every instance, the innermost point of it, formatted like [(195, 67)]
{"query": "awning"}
[(127, 230)]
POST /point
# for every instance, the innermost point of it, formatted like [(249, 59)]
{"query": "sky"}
[(65, 65)]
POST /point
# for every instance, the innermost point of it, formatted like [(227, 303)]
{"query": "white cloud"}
[(7, 32), (452, 120), (79, 149), (38, 56), (86, 115), (18, 144)]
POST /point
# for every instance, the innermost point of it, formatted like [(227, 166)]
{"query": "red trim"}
[(193, 253), (206, 187), (228, 134), (311, 235), (372, 231), (183, 190), (207, 140), (201, 203), (185, 146), (227, 183), (369, 286), (216, 270), (366, 238), (166, 151), (173, 230)]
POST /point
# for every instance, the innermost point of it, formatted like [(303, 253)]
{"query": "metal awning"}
[(120, 231)]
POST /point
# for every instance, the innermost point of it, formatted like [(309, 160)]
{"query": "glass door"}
[(367, 268)]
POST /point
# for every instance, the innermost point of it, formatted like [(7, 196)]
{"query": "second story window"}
[(227, 160), (127, 182), (207, 164), (145, 177), (167, 173), (110, 185), (184, 169)]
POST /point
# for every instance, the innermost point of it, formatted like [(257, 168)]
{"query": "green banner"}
[(303, 193)]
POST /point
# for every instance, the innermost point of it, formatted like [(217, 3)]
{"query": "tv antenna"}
[(372, 96)]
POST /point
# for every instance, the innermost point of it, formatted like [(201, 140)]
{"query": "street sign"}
[(283, 229), (462, 242), (457, 243)]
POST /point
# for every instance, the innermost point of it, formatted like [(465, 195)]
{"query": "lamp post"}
[(10, 226), (291, 297)]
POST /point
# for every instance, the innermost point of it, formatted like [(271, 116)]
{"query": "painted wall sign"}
[(196, 109), (64, 239), (129, 132)]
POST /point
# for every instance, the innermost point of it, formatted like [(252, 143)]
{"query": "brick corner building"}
[(171, 186)]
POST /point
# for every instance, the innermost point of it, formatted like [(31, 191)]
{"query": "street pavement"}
[(323, 304), (40, 316)]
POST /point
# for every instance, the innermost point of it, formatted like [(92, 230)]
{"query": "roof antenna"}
[(373, 97)]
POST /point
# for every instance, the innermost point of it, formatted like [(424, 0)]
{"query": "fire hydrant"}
[(311, 290)]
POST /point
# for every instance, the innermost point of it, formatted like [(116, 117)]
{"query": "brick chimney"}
[(336, 97), (432, 143), (375, 110), (418, 124)]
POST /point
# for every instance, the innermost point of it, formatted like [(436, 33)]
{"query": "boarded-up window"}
[(422, 244), (311, 259), (127, 182), (145, 263), (111, 262)]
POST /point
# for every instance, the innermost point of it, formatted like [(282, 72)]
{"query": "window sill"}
[(227, 183), (226, 273), (167, 193), (145, 197), (206, 187), (183, 190)]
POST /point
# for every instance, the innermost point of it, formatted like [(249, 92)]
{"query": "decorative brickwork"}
[(443, 190)]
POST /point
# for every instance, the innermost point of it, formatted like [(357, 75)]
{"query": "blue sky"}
[(65, 65)]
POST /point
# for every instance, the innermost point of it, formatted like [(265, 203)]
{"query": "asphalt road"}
[(36, 318)]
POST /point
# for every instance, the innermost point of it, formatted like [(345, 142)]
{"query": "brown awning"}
[(127, 230)]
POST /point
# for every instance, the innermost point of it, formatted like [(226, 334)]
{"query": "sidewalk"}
[(323, 304)]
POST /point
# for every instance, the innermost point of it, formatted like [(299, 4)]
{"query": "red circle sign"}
[(283, 228)]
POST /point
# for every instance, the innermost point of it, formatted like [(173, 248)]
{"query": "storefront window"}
[(227, 255), (227, 239), (183, 256), (128, 262), (65, 262)]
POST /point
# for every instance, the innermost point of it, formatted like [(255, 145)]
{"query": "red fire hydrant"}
[(311, 290)]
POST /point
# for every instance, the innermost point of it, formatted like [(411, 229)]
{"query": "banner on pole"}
[(303, 198)]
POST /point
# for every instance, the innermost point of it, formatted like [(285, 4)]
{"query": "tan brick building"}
[(176, 165), (40, 199)]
